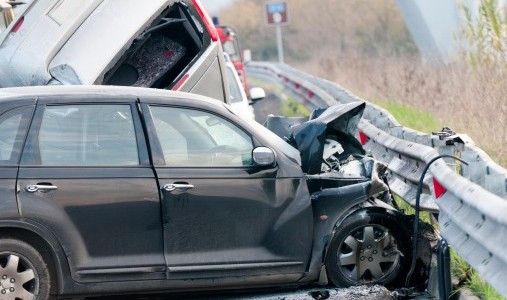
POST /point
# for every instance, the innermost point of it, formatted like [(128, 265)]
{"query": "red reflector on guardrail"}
[(439, 189), (363, 138), (18, 25)]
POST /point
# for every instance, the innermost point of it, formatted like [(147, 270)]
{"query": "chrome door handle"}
[(182, 187), (32, 188)]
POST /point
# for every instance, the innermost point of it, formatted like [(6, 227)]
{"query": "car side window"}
[(194, 138), (13, 126), (234, 88), (88, 135)]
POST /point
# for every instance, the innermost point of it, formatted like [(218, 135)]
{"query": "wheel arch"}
[(374, 206), (402, 224), (336, 213), (45, 243)]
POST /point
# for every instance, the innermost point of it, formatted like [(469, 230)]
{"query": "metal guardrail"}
[(471, 199)]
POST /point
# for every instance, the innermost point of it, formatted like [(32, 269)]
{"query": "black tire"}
[(23, 272), (381, 254)]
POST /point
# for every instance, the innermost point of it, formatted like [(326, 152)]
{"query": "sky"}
[(214, 6)]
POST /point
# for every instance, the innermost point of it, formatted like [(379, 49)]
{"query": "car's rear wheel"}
[(23, 272), (368, 248)]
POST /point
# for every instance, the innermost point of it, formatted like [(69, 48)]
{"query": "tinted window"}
[(12, 130), (196, 138), (88, 135)]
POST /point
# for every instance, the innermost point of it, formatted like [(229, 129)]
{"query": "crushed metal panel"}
[(340, 121)]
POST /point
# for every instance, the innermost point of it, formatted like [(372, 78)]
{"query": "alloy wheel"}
[(18, 278), (368, 254)]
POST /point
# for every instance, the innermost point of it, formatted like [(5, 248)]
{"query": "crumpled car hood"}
[(338, 122)]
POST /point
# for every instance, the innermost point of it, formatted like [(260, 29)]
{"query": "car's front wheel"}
[(368, 248), (23, 272)]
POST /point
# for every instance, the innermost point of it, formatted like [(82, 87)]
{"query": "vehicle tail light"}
[(180, 82), (208, 23), (18, 24), (439, 189), (363, 138)]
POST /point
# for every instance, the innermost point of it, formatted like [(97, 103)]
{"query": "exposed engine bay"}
[(331, 156)]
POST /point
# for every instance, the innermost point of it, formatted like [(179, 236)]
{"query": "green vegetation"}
[(460, 268), (292, 108), (485, 34), (469, 278), (412, 117), (481, 288), (409, 210)]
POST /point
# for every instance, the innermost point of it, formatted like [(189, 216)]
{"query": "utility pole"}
[(279, 42)]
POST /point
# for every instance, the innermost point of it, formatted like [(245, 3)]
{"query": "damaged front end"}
[(360, 237), (331, 156)]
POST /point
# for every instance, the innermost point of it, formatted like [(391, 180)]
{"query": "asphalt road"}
[(311, 293), (269, 105)]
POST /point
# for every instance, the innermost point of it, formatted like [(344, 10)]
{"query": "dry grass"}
[(471, 101)]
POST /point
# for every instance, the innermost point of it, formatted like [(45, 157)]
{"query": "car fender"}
[(29, 229), (330, 207), (426, 237), (374, 205)]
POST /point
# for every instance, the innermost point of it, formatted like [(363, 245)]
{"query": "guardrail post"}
[(444, 269)]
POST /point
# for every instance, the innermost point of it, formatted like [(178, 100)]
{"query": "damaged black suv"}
[(114, 190)]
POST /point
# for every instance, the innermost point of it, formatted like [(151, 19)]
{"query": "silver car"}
[(167, 44), (239, 101)]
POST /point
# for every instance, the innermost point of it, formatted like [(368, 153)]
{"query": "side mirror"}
[(263, 156), (257, 93), (247, 56)]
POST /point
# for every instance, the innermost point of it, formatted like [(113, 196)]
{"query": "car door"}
[(85, 175), (14, 121), (223, 215)]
